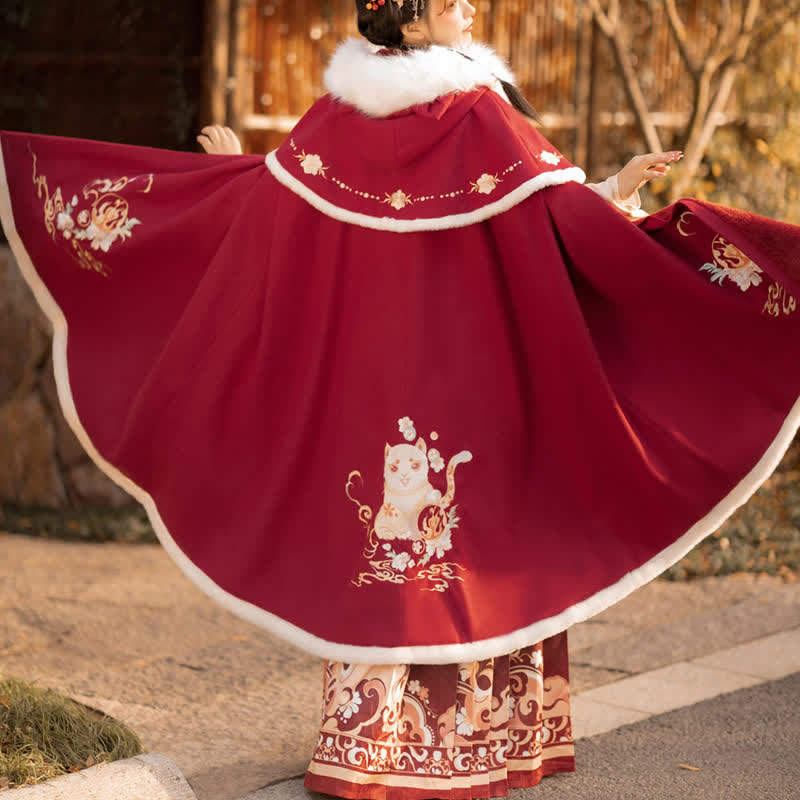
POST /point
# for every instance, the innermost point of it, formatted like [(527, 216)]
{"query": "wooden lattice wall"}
[(562, 63)]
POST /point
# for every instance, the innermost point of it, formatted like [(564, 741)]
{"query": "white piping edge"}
[(554, 178), (428, 654)]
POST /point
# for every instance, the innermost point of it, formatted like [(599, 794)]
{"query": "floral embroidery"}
[(100, 225), (504, 715), (390, 510), (463, 725), (549, 157), (398, 199), (107, 221), (778, 301), (486, 184), (347, 709), (436, 462), (413, 529), (311, 164), (732, 263), (407, 428), (399, 560)]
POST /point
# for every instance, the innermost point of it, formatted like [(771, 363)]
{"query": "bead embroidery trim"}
[(398, 199)]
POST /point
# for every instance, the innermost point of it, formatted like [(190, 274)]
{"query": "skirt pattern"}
[(445, 730)]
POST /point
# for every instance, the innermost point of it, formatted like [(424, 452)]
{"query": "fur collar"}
[(381, 85)]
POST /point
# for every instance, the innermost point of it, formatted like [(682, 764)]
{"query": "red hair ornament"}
[(374, 6)]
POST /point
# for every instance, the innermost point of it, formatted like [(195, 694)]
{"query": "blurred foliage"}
[(100, 524), (756, 165), (763, 535)]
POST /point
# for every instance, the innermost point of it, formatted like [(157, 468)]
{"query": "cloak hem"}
[(340, 651)]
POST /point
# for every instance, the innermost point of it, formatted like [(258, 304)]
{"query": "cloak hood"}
[(412, 141)]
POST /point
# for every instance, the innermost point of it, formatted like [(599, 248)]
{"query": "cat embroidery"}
[(413, 527)]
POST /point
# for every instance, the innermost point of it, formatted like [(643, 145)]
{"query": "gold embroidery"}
[(398, 200), (682, 221), (732, 263), (778, 301), (415, 523), (312, 165), (486, 184), (100, 225)]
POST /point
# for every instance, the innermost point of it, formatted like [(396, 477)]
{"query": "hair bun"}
[(383, 27)]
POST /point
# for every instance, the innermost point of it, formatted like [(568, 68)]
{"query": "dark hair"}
[(383, 28)]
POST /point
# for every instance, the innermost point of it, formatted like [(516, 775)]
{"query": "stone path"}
[(118, 627)]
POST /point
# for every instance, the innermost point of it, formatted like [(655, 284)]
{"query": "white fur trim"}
[(542, 181), (354, 654), (381, 85)]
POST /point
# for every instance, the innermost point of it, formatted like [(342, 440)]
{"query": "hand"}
[(641, 169), (220, 140)]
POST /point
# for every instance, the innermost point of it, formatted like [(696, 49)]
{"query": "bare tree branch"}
[(602, 20), (614, 32), (613, 12), (679, 33)]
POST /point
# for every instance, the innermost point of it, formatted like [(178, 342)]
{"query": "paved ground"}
[(120, 628), (742, 746)]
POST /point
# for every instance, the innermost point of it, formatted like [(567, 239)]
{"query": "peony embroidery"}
[(398, 199), (105, 221), (732, 263), (399, 560), (486, 184), (413, 529)]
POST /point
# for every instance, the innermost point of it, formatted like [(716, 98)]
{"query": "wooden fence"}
[(269, 69)]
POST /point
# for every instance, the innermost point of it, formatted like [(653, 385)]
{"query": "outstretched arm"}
[(622, 189)]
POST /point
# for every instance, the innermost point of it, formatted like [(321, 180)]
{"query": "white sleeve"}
[(609, 189)]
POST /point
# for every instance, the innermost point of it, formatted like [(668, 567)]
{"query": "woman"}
[(409, 394)]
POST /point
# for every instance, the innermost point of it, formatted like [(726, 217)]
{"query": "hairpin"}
[(374, 5)]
